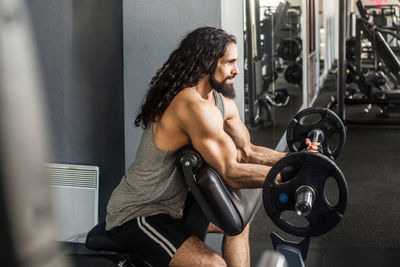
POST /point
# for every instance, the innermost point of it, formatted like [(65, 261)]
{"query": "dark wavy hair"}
[(196, 56)]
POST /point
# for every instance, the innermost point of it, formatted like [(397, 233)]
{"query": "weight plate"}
[(293, 74), (314, 171), (329, 124)]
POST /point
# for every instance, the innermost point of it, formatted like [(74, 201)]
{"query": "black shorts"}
[(156, 238)]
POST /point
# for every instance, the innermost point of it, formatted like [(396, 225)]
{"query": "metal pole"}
[(358, 44), (341, 82), (250, 32)]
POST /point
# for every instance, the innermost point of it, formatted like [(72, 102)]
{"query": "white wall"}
[(331, 24)]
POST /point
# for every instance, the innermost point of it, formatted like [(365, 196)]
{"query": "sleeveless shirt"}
[(152, 185)]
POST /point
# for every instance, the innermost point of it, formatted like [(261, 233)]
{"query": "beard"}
[(225, 89)]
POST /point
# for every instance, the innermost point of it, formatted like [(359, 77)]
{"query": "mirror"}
[(273, 67)]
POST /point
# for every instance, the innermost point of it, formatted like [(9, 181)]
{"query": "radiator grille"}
[(72, 175), (75, 194)]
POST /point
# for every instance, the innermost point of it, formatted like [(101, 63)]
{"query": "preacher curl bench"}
[(229, 209)]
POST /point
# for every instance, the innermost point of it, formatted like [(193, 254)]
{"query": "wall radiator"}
[(75, 190)]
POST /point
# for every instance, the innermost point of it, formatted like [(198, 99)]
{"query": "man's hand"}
[(312, 146), (291, 171)]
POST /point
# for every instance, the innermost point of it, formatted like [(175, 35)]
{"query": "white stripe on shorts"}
[(170, 253), (155, 232)]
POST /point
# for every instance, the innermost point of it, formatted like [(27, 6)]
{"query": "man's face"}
[(222, 79)]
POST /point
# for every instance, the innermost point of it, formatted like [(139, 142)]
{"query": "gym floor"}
[(369, 234)]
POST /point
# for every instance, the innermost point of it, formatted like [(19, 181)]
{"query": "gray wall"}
[(94, 91), (152, 29), (80, 50)]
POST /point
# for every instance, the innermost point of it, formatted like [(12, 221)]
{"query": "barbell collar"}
[(305, 197)]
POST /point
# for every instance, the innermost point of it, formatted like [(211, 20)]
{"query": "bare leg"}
[(194, 252), (236, 249)]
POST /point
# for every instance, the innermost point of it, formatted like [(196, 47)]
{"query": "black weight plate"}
[(289, 49), (329, 124), (293, 74), (315, 170), (351, 49)]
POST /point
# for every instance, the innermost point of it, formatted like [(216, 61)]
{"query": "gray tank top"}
[(152, 184)]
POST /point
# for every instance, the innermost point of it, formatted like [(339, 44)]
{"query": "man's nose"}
[(235, 70)]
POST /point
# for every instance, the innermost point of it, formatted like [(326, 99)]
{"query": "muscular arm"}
[(203, 124), (247, 152)]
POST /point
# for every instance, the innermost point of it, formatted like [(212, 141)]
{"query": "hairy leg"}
[(194, 252), (236, 249)]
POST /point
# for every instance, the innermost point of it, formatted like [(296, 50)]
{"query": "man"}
[(184, 106)]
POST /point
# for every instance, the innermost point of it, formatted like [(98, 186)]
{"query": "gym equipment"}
[(383, 15), (267, 100), (269, 78), (351, 49), (380, 46), (374, 78), (352, 74), (304, 193), (229, 209), (321, 130), (301, 191), (271, 45), (289, 49), (293, 73), (276, 98), (294, 253), (98, 240), (272, 259), (378, 80)]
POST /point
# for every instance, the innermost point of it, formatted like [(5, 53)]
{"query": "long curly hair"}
[(196, 56)]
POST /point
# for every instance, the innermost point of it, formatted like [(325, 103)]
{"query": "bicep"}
[(238, 132), (236, 129), (218, 151), (207, 135)]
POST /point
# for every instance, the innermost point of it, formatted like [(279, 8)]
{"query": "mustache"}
[(230, 77)]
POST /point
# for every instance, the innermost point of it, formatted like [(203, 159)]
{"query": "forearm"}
[(264, 155), (245, 175)]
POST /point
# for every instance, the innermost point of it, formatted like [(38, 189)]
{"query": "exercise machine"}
[(232, 209)]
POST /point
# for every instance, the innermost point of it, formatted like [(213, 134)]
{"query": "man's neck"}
[(204, 88)]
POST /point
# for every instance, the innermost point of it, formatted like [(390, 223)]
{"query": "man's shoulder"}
[(189, 100), (228, 101), (230, 108), (190, 106), (187, 95)]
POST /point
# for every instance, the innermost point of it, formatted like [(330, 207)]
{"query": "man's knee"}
[(245, 232), (194, 252), (202, 259), (214, 260)]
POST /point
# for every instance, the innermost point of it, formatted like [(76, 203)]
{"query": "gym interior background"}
[(75, 72)]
